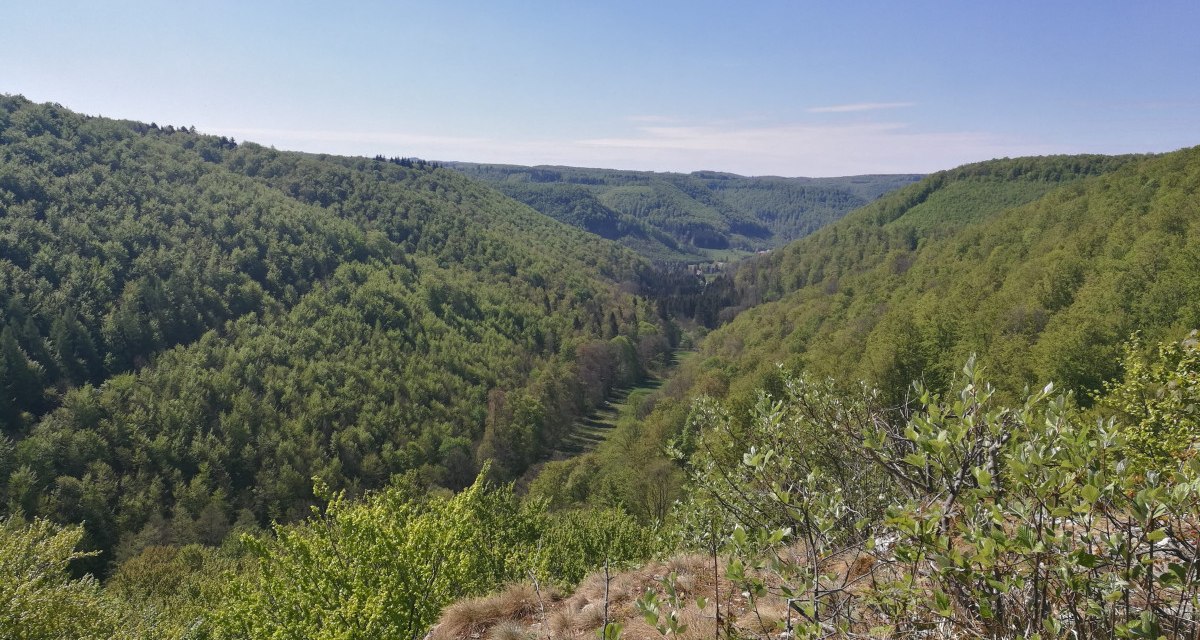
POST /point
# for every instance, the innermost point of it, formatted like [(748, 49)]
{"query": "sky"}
[(792, 88)]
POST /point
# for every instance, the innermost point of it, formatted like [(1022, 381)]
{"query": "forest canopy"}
[(193, 329)]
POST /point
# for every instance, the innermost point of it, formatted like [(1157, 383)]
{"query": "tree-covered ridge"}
[(681, 217), (912, 285), (954, 265), (193, 329)]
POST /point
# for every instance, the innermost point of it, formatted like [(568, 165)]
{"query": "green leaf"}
[(941, 604), (739, 536), (982, 477), (1086, 560)]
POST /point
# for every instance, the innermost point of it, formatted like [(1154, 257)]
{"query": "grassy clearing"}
[(595, 428)]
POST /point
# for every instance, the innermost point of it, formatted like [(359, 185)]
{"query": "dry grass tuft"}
[(771, 616), (591, 616), (476, 615), (509, 630), (623, 588), (637, 628), (515, 614), (564, 622), (591, 589), (690, 564), (699, 625)]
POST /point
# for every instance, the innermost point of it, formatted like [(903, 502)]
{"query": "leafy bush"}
[(1158, 400), (38, 596), (169, 593), (380, 568), (1012, 520), (575, 543)]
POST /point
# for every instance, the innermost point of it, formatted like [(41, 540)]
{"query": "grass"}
[(496, 613), (581, 614), (589, 432)]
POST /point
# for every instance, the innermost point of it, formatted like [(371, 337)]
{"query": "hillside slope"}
[(685, 217), (193, 329), (1043, 267)]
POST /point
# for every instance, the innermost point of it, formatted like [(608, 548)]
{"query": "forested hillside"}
[(686, 217), (1042, 267), (875, 486), (194, 329)]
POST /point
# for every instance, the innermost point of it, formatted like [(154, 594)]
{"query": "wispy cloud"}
[(860, 106), (651, 118), (812, 150)]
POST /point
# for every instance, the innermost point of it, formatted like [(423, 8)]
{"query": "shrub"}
[(1012, 520), (38, 597)]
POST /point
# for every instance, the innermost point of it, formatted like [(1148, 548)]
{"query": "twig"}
[(607, 578), (537, 588)]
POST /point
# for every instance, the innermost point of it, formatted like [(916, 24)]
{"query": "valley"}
[(251, 393)]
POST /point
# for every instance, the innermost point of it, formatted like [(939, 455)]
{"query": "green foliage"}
[(1042, 266), (38, 596), (664, 613), (1013, 519), (576, 542), (173, 593), (1035, 521), (387, 565), (191, 328), (381, 568), (788, 436), (1158, 402), (627, 471)]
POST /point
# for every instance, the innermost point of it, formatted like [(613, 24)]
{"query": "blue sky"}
[(785, 88)]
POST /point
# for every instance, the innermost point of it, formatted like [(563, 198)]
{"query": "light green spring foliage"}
[(38, 597), (788, 437), (1158, 401), (1009, 519), (1042, 266), (191, 328), (1036, 522), (627, 471), (385, 567), (380, 568), (574, 543), (171, 593)]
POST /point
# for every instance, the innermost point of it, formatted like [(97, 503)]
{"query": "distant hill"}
[(703, 215)]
